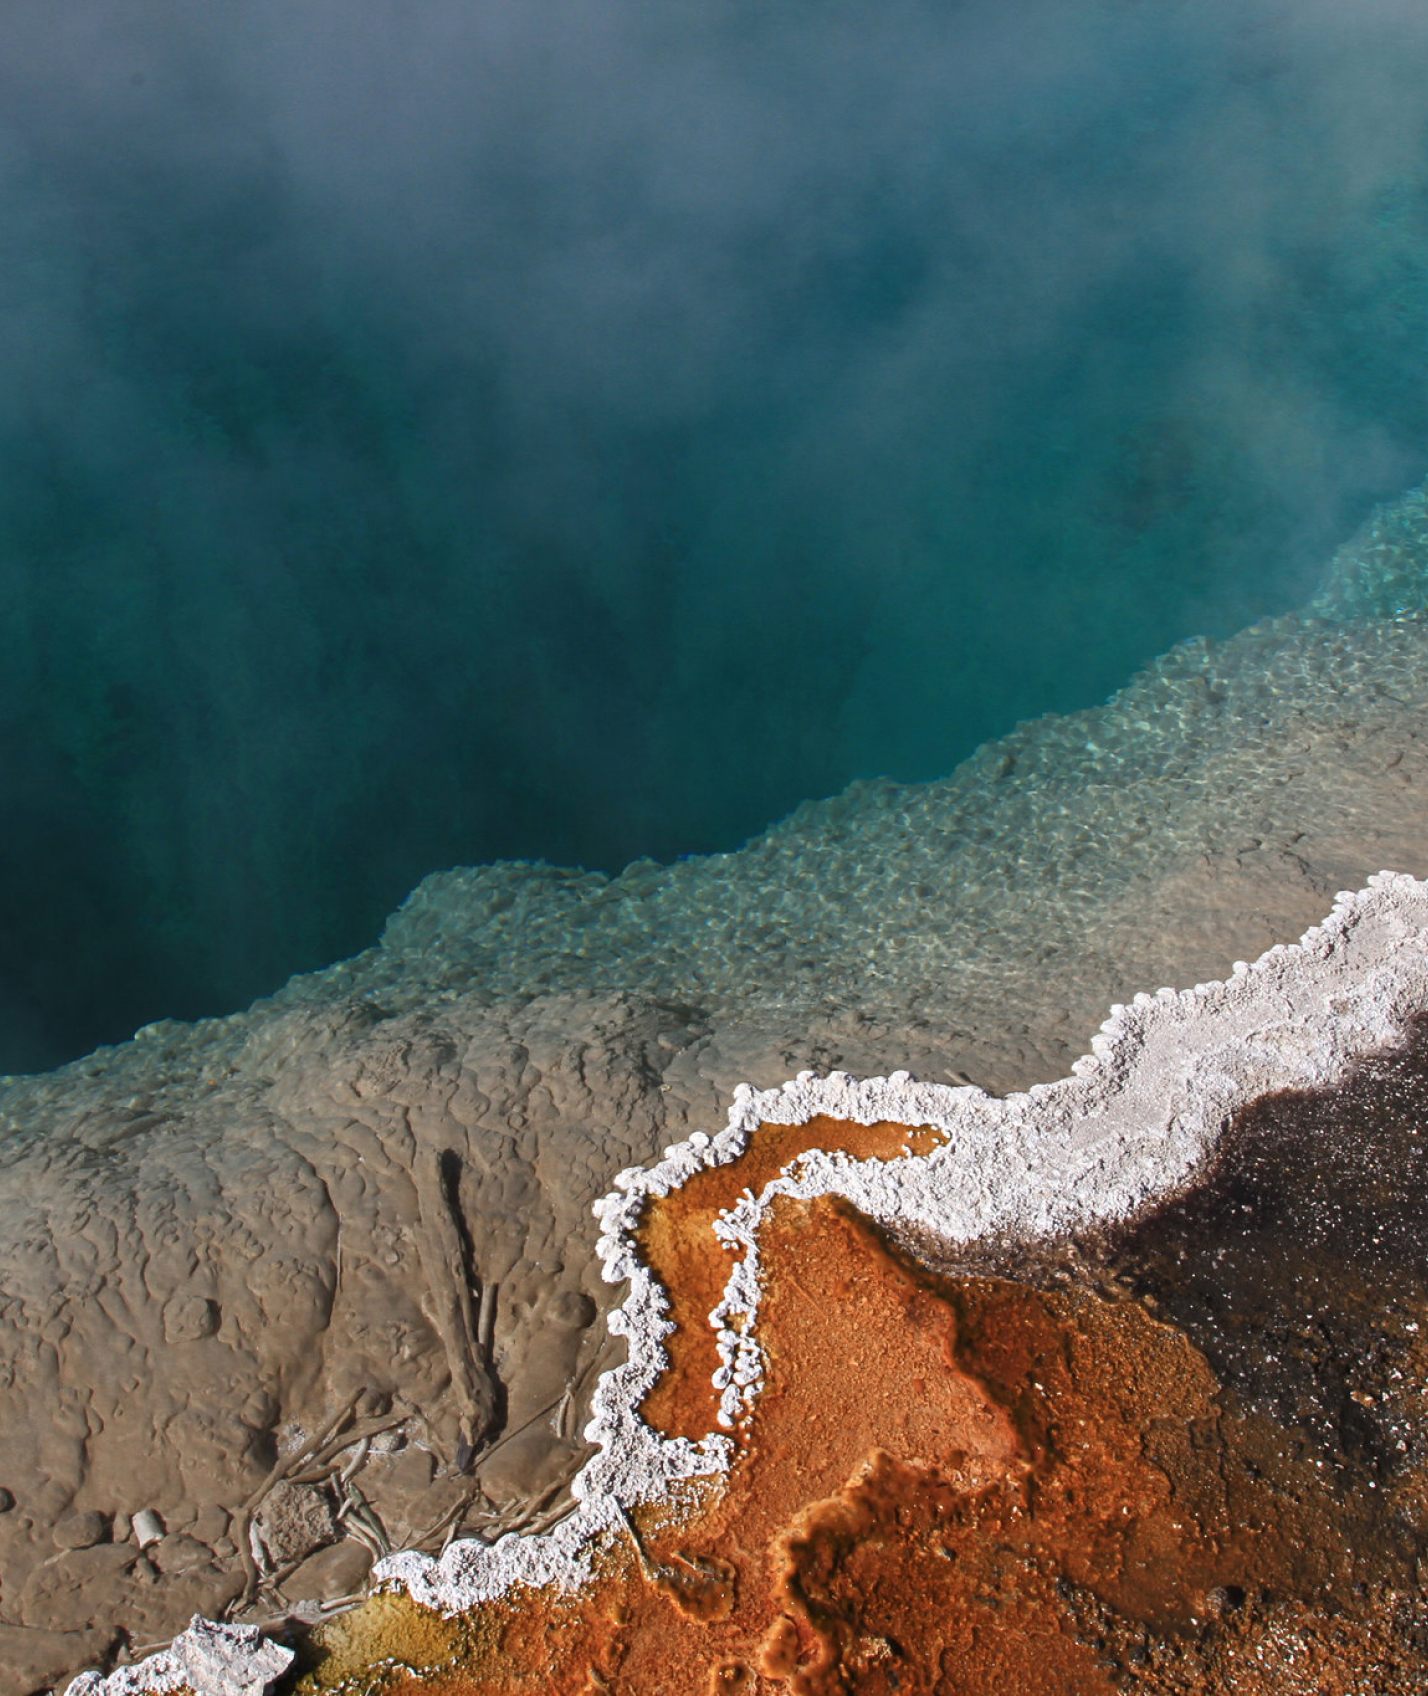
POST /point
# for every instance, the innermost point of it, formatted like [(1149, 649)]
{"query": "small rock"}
[(411, 1470), (177, 1554), (148, 1527), (337, 1571), (293, 1521), (259, 1410), (525, 1466), (40, 1660), (189, 1319), (229, 1660), (209, 1523), (50, 1500), (7, 1499), (81, 1530), (399, 1487), (572, 1310), (82, 1587), (213, 1660)]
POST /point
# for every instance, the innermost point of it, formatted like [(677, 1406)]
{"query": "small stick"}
[(354, 1466), (564, 1407), (650, 1571), (362, 1429), (554, 1517), (360, 1532), (338, 1603), (524, 1520), (319, 1475), (486, 1322), (525, 1425), (526, 1514), (358, 1511), (453, 1512), (298, 1456)]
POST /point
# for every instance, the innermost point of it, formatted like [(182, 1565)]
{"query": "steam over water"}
[(439, 432)]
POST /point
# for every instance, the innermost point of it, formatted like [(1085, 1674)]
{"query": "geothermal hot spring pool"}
[(714, 776)]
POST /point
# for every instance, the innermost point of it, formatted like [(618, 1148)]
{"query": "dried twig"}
[(362, 1430), (486, 1321), (525, 1522), (443, 1255), (363, 1523), (650, 1570), (449, 1517), (317, 1475), (354, 1466), (567, 1401), (516, 1431)]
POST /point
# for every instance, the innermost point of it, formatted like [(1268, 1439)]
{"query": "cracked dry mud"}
[(373, 1191)]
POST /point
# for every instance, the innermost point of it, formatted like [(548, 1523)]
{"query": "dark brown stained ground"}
[(1301, 1267), (1188, 1457)]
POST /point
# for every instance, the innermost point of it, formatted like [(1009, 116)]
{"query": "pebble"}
[(148, 1527), (81, 1530), (338, 1570)]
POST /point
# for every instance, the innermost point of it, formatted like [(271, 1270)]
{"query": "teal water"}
[(436, 434)]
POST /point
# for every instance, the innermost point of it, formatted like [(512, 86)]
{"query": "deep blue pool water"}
[(432, 433)]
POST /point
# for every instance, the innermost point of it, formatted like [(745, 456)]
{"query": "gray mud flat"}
[(318, 1280)]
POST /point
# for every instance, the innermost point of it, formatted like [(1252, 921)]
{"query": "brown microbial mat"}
[(1187, 1456)]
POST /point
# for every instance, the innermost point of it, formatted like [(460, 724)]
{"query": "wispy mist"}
[(432, 432)]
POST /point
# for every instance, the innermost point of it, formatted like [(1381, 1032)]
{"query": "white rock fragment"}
[(230, 1660), (148, 1527), (209, 1659)]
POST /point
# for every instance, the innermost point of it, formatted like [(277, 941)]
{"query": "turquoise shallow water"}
[(578, 433)]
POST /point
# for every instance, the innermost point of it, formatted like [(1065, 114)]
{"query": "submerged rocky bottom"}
[(1189, 1454)]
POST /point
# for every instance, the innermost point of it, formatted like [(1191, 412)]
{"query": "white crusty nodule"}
[(208, 1659), (1139, 1114)]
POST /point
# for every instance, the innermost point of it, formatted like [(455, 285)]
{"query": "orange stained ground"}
[(677, 1242), (949, 1487)]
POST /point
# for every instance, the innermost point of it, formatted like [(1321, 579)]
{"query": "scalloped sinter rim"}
[(1138, 1116)]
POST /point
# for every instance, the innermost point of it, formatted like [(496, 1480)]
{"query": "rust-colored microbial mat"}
[(1188, 1457), (678, 1244)]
